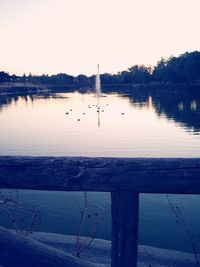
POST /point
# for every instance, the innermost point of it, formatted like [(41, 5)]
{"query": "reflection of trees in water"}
[(183, 108), (179, 103), (139, 95), (7, 99)]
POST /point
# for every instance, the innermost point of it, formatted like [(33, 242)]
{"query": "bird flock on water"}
[(97, 107)]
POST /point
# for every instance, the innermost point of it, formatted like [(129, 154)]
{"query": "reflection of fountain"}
[(98, 83), (98, 93), (99, 121)]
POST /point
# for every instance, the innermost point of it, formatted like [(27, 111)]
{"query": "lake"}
[(136, 121)]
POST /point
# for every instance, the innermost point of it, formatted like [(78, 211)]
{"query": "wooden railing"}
[(125, 178)]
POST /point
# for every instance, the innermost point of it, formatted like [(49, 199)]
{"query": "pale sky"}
[(73, 36)]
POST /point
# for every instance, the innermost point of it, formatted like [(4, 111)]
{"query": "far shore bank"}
[(19, 87)]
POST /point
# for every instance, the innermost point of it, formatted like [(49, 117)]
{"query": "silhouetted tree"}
[(140, 74), (185, 68), (4, 77)]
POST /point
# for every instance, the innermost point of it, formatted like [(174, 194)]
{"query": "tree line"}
[(184, 68)]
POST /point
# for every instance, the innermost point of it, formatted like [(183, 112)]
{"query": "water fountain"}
[(98, 83), (98, 92)]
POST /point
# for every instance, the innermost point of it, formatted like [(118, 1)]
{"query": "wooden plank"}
[(125, 212), (129, 210), (143, 175), (115, 206)]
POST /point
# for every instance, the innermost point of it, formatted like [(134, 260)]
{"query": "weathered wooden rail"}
[(125, 178)]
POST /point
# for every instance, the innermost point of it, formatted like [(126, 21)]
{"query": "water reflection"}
[(9, 99), (180, 104), (182, 107), (138, 121)]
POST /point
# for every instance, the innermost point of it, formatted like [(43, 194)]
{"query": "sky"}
[(73, 36)]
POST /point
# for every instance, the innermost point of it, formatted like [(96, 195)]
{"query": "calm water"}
[(148, 122)]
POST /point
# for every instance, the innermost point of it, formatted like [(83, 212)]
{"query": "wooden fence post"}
[(125, 213)]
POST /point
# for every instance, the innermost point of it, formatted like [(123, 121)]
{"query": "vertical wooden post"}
[(115, 198), (125, 213)]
